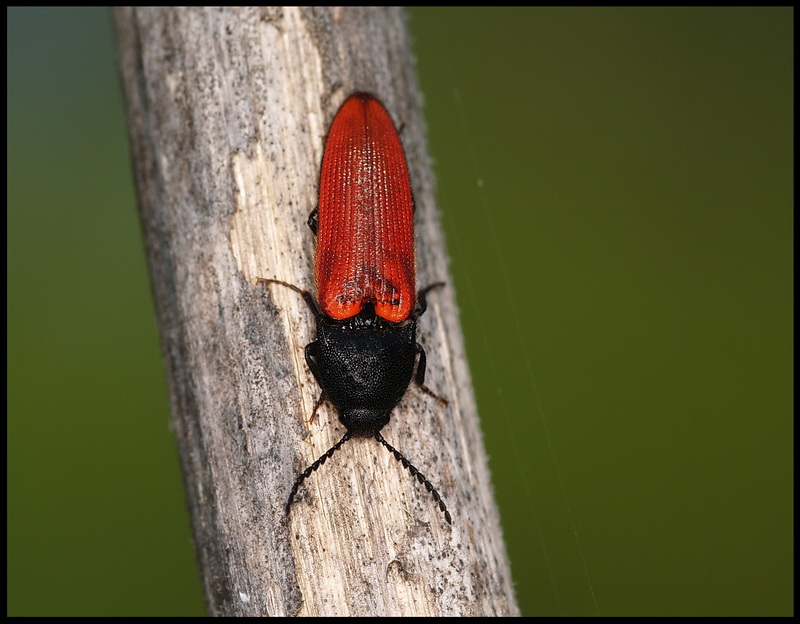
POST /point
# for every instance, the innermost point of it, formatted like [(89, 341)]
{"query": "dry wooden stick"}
[(228, 110)]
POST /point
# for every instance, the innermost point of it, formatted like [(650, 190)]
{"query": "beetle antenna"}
[(417, 475), (307, 472)]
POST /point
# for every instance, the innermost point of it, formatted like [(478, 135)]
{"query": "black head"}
[(364, 422)]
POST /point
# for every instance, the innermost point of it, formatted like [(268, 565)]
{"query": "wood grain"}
[(227, 111)]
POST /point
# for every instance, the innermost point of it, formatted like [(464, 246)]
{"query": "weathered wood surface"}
[(228, 110)]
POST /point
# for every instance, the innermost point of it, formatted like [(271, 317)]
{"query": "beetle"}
[(366, 310)]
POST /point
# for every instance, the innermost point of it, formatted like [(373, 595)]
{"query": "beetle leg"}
[(419, 378), (422, 302)]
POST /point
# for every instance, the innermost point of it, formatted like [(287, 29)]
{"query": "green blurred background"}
[(617, 191)]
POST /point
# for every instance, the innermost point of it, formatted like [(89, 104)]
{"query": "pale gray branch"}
[(228, 110)]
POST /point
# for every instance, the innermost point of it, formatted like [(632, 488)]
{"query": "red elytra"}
[(365, 235)]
